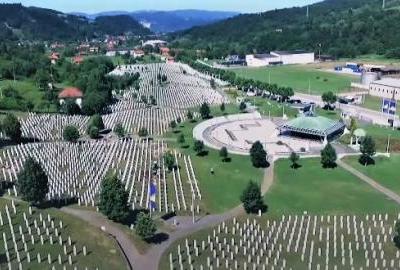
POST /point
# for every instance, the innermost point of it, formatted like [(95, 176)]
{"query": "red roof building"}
[(70, 92), (78, 60)]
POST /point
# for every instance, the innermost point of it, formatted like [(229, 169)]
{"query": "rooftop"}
[(391, 82), (70, 92), (264, 55), (291, 52), (315, 125)]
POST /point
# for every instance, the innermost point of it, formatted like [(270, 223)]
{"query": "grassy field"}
[(229, 177), (102, 251), (26, 91), (322, 191), (372, 103), (384, 171), (300, 78)]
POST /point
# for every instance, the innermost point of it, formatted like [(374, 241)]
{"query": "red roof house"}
[(70, 92), (78, 60)]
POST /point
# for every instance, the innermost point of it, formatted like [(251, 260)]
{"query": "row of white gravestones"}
[(311, 242), (183, 90), (76, 171), (26, 234)]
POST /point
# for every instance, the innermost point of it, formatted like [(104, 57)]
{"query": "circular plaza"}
[(238, 133)]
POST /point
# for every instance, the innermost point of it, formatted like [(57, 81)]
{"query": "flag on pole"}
[(153, 194)]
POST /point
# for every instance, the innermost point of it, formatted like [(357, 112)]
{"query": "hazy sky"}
[(91, 6)]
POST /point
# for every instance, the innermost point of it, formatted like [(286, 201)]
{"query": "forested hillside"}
[(19, 22), (342, 27)]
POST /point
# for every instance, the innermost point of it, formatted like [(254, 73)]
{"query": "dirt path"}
[(370, 181)]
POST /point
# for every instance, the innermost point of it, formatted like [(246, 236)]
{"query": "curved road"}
[(151, 260)]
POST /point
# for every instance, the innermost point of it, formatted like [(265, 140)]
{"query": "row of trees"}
[(241, 83)]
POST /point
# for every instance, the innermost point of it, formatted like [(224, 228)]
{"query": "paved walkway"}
[(185, 227), (370, 181)]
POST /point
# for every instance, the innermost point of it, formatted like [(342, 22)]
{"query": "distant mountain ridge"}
[(20, 22), (342, 28), (169, 21)]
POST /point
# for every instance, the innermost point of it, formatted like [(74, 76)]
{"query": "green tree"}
[(353, 125), (172, 124), (329, 98), (181, 139), (145, 226), (33, 184), (169, 160), (328, 156), (258, 155), (368, 150), (96, 121), (294, 158), (205, 111), (71, 134), (143, 132), (190, 115), (222, 107), (198, 147), (242, 106), (113, 199), (252, 199), (223, 153), (94, 132), (12, 128), (119, 130)]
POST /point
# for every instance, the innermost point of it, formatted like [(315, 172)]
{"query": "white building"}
[(280, 58), (385, 88), (155, 43), (261, 60), (294, 57)]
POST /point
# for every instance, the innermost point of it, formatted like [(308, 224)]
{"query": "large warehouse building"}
[(385, 88), (280, 58)]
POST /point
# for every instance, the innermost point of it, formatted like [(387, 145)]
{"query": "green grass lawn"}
[(372, 103), (322, 191), (26, 91), (222, 190), (385, 170), (299, 78), (102, 250)]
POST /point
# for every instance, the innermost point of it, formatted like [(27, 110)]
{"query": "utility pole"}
[(383, 4), (388, 145), (308, 11)]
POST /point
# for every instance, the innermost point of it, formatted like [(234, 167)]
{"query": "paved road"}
[(370, 181)]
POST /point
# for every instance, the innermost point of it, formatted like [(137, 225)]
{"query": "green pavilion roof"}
[(313, 125)]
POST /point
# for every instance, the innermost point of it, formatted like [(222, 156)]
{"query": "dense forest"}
[(339, 27), (30, 23)]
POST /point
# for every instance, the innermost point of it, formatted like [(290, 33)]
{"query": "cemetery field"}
[(385, 171), (298, 77), (322, 191), (77, 239), (289, 242), (230, 177)]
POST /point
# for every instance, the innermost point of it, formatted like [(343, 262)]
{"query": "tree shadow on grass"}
[(158, 238), (203, 153), (186, 146), (132, 216), (227, 160), (177, 131), (330, 166), (296, 166)]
